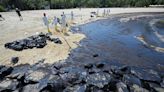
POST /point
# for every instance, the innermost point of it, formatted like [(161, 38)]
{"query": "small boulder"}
[(94, 70), (125, 69), (14, 60), (58, 66), (147, 75), (76, 88), (92, 88), (8, 84), (56, 40), (136, 88), (111, 87), (19, 71), (95, 55), (70, 77), (162, 83), (130, 80), (100, 65), (35, 76), (31, 88), (88, 66), (1, 66), (98, 79), (57, 85), (4, 71), (159, 89), (153, 87), (121, 87)]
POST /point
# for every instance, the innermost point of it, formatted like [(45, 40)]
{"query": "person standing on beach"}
[(108, 11), (97, 12), (46, 23), (104, 13), (55, 22), (72, 17), (2, 17), (19, 14), (63, 22)]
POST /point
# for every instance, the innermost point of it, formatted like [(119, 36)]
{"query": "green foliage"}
[(36, 4), (2, 9), (93, 3), (25, 4), (141, 3), (60, 4), (159, 2)]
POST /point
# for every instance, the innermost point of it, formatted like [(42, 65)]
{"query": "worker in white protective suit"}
[(46, 22), (55, 23), (63, 22)]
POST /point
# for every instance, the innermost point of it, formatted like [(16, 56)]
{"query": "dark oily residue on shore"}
[(115, 41)]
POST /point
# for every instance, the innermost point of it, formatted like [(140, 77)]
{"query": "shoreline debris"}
[(38, 41)]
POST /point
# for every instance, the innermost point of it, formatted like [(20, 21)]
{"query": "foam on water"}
[(156, 39)]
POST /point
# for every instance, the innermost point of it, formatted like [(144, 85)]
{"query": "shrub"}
[(2, 9)]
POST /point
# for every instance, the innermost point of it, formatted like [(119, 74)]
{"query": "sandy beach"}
[(12, 29)]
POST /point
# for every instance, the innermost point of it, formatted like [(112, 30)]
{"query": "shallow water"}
[(114, 40)]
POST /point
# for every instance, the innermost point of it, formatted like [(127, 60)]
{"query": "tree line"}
[(6, 5)]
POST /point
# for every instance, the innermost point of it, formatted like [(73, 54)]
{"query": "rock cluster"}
[(67, 77), (38, 41)]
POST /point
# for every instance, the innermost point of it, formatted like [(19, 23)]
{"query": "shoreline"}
[(33, 23)]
